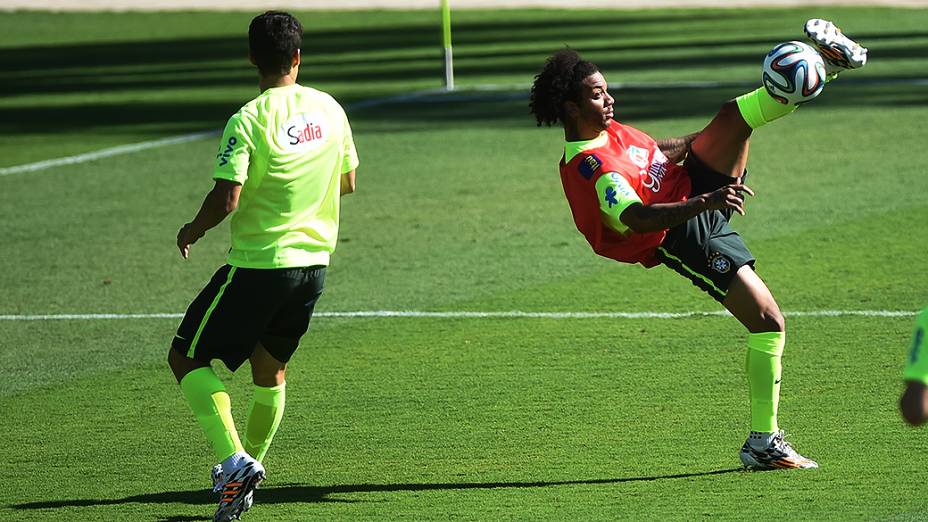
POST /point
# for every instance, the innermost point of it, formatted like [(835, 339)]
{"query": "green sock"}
[(267, 408), (211, 404), (758, 108), (764, 371)]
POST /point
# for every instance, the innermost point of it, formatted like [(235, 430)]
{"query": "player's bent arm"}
[(348, 182), (676, 148), (660, 216), (642, 218), (221, 201)]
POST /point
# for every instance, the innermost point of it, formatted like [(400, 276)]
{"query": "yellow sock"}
[(758, 108), (764, 371), (264, 415), (213, 409)]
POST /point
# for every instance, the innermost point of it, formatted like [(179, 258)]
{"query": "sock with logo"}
[(264, 414), (213, 409), (764, 371), (758, 108)]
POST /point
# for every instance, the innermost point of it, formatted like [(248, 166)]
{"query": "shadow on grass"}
[(309, 494)]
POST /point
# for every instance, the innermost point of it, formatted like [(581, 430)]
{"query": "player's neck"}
[(270, 82), (574, 131)]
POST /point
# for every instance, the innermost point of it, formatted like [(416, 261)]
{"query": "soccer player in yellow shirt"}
[(284, 160)]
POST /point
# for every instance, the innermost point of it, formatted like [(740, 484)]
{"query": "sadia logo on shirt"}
[(306, 130)]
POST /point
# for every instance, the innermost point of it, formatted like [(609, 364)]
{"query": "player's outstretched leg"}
[(751, 302), (838, 51), (722, 145)]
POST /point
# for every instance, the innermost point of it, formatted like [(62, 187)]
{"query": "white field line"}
[(163, 142), (106, 153), (514, 314), (436, 95)]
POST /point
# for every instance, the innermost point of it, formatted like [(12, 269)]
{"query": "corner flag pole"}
[(446, 40)]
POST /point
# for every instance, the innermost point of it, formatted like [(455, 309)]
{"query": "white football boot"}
[(219, 481), (838, 51), (216, 477), (236, 491), (766, 451)]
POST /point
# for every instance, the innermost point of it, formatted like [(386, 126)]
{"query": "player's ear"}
[(251, 58), (295, 59), (571, 109)]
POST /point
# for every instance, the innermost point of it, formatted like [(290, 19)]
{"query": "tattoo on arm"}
[(676, 148), (660, 216)]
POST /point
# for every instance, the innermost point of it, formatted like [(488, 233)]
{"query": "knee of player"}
[(773, 319), (730, 108)]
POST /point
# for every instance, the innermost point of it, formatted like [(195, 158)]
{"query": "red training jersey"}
[(636, 157)]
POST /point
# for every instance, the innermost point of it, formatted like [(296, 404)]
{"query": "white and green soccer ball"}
[(794, 73)]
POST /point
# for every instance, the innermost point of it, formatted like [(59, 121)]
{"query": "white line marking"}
[(105, 153), (514, 314), (135, 147)]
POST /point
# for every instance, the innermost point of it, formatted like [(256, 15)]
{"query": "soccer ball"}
[(794, 73)]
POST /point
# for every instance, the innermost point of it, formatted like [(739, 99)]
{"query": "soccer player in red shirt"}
[(635, 203)]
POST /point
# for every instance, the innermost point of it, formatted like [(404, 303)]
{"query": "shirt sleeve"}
[(235, 149), (350, 154), (615, 195), (917, 367)]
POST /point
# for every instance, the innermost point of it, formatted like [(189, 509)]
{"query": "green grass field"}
[(459, 209)]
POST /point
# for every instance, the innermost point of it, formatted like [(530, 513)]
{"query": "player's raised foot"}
[(237, 488), (766, 451), (838, 51)]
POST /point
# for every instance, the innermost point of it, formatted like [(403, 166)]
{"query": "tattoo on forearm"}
[(668, 216), (675, 148)]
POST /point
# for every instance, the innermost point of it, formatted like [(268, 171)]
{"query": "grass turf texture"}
[(459, 208)]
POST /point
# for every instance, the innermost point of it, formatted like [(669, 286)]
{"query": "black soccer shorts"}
[(241, 307), (705, 249)]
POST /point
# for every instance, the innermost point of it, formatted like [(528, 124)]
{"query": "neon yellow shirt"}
[(917, 368), (288, 149)]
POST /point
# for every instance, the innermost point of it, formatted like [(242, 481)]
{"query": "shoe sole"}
[(834, 46), (751, 464)]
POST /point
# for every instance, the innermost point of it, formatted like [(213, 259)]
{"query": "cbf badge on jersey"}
[(303, 131), (638, 156), (589, 165)]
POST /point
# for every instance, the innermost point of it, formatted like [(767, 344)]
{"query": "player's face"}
[(596, 103)]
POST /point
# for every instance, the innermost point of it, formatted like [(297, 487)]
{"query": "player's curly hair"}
[(273, 38), (559, 81)]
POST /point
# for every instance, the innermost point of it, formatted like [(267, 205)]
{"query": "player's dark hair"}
[(561, 80), (273, 38)]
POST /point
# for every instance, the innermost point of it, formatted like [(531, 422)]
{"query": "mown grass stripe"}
[(512, 314)]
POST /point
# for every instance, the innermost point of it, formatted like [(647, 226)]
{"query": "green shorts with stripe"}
[(241, 307), (705, 249)]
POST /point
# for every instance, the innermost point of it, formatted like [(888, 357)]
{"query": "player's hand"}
[(729, 196), (914, 403), (185, 238)]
